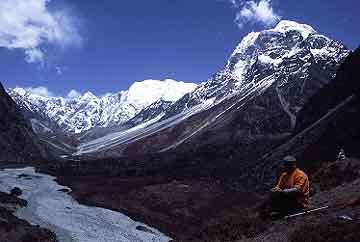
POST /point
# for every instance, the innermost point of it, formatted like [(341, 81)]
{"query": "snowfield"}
[(71, 221)]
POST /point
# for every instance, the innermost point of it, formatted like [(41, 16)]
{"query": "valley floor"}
[(203, 209)]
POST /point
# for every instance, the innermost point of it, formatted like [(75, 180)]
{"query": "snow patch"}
[(35, 124), (319, 52), (265, 59), (286, 107), (246, 42)]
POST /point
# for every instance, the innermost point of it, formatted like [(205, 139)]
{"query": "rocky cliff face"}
[(17, 140), (340, 101)]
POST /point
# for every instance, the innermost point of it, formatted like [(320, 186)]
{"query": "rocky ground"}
[(335, 183), (326, 225), (13, 229)]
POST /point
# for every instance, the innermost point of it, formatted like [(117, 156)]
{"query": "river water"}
[(71, 221)]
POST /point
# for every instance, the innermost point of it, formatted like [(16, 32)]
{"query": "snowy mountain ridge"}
[(289, 49), (80, 113)]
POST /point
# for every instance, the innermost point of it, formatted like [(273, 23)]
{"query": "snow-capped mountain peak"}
[(287, 55), (285, 26), (273, 46), (21, 91), (282, 27), (88, 96), (250, 41), (147, 92)]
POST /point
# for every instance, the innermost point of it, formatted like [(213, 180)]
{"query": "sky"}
[(57, 46)]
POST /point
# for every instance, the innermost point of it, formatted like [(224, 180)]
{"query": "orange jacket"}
[(297, 179)]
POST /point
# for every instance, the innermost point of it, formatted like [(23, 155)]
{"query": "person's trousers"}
[(284, 203), (281, 203)]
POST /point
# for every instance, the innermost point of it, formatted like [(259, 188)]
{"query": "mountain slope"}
[(150, 112), (78, 114), (287, 52), (154, 110), (253, 102), (17, 140), (329, 121)]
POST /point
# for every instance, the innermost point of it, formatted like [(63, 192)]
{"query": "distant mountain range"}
[(79, 114), (248, 107)]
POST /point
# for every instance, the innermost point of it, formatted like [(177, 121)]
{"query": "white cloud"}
[(39, 91), (59, 70), (44, 92), (30, 25), (34, 55), (234, 3), (73, 94), (255, 11)]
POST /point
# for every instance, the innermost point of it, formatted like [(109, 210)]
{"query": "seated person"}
[(291, 193)]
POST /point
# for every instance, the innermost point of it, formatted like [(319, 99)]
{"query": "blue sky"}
[(104, 46)]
